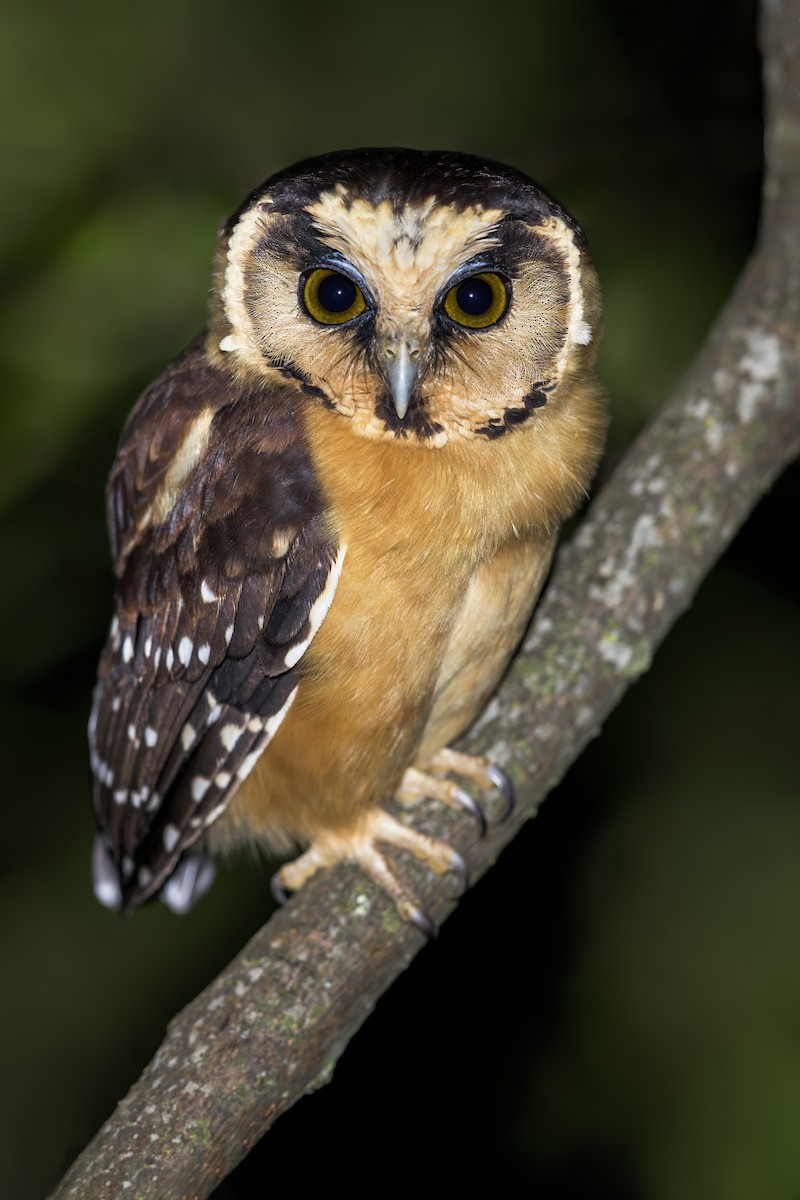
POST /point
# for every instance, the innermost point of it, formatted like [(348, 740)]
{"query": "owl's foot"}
[(417, 785), (362, 848)]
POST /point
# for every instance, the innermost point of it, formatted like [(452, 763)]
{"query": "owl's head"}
[(422, 295)]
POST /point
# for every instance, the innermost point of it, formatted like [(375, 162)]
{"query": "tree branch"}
[(272, 1025)]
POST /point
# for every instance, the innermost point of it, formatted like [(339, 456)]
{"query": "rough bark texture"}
[(273, 1024)]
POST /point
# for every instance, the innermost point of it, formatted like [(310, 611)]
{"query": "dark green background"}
[(615, 1012)]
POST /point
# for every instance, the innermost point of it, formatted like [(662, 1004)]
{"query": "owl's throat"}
[(415, 422)]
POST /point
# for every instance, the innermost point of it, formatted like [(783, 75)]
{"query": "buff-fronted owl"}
[(331, 516)]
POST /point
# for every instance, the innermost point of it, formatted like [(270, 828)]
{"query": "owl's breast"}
[(486, 630)]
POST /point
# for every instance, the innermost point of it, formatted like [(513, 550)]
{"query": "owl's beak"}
[(401, 364)]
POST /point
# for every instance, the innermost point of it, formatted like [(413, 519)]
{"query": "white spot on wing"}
[(150, 736), (188, 736), (93, 714), (127, 648), (229, 735), (108, 892), (105, 880), (271, 726), (270, 729), (171, 836), (101, 770), (170, 658), (207, 592), (200, 786), (319, 609), (204, 653), (185, 649), (247, 764)]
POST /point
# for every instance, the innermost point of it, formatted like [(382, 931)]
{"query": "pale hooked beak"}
[(402, 361)]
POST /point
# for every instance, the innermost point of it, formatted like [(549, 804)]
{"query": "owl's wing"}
[(225, 571)]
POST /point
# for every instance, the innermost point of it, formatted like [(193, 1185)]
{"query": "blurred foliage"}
[(613, 1011)]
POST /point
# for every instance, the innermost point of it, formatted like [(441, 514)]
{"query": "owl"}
[(330, 518)]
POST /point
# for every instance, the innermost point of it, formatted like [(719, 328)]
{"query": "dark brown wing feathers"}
[(217, 578)]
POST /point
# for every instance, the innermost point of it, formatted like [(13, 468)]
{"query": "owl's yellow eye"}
[(477, 302), (332, 298)]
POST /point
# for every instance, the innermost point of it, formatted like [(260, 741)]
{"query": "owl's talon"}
[(420, 919), (472, 807), (418, 784), (279, 892), (361, 847), (461, 872), (506, 789)]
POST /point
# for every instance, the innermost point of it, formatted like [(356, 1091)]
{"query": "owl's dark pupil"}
[(337, 293), (474, 296)]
